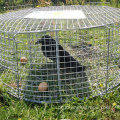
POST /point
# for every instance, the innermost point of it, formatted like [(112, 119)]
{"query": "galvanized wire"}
[(91, 42), (95, 16)]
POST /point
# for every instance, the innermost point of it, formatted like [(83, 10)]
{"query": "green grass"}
[(100, 108)]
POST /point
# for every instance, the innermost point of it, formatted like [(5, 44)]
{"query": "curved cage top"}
[(51, 19)]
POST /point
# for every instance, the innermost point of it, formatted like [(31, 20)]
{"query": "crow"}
[(65, 59)]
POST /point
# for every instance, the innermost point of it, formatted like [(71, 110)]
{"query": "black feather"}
[(65, 59)]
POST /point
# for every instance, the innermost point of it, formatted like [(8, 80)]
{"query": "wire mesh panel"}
[(8, 64), (54, 18), (114, 63), (53, 60)]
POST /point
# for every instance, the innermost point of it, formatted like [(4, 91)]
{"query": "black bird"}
[(65, 59)]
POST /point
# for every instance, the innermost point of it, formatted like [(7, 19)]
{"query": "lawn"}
[(100, 108)]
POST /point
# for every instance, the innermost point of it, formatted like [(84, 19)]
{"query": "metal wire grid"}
[(96, 47), (44, 70), (95, 16)]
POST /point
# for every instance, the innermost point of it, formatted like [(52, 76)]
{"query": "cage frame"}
[(56, 36)]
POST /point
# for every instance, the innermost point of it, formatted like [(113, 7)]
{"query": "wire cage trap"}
[(49, 56)]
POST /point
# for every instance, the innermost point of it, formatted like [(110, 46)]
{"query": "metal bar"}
[(30, 50), (58, 64), (108, 48), (17, 68)]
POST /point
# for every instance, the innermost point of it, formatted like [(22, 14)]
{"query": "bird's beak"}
[(38, 42)]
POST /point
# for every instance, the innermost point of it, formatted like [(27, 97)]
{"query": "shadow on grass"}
[(62, 85), (2, 69)]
